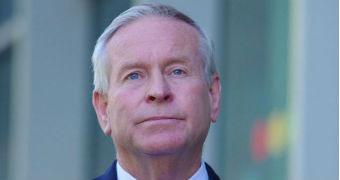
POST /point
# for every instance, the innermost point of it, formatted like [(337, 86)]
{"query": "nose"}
[(159, 90)]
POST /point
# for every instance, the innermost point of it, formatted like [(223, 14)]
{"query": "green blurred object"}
[(256, 86)]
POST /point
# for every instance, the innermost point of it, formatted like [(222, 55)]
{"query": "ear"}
[(215, 97), (100, 105)]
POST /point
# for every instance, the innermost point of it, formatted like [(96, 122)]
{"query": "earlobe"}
[(107, 129), (100, 105), (215, 97)]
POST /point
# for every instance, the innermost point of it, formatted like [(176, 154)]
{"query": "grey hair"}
[(99, 57)]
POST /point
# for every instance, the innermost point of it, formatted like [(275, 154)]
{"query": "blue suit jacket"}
[(111, 173)]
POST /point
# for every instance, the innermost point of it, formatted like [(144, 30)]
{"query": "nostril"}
[(151, 98), (166, 97)]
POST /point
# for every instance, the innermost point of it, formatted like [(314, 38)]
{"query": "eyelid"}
[(183, 69), (127, 75)]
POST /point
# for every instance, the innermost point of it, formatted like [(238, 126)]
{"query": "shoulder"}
[(110, 173)]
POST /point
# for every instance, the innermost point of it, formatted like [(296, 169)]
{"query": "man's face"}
[(158, 100)]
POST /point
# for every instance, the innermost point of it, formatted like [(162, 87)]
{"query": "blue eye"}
[(177, 72), (133, 76)]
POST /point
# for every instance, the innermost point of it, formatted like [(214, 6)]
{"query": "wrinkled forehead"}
[(154, 27), (154, 35)]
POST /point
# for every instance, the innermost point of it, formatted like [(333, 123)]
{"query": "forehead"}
[(154, 36)]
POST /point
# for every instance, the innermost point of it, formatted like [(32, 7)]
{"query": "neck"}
[(168, 166)]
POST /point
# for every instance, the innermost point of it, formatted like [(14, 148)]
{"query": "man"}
[(156, 92)]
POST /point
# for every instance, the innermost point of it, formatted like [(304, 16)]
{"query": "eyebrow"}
[(131, 65), (143, 65), (177, 60)]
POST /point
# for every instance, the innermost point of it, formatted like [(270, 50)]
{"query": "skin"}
[(159, 108)]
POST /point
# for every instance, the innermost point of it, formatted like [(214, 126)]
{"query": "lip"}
[(159, 118)]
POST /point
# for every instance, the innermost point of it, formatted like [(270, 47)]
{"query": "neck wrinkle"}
[(171, 166)]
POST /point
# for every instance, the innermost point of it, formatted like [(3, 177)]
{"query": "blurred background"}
[(278, 61)]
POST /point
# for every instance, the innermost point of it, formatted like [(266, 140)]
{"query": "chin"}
[(162, 145)]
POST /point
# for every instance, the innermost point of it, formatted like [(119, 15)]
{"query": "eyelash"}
[(128, 77), (181, 70)]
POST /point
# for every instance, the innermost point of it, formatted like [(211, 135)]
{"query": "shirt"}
[(200, 174)]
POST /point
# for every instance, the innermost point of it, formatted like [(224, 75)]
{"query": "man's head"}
[(156, 86), (100, 60)]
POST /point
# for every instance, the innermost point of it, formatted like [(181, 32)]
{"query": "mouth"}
[(159, 118)]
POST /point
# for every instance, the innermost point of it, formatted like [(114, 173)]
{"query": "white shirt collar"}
[(200, 174), (122, 174)]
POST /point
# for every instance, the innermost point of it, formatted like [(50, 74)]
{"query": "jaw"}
[(161, 137), (162, 151), (161, 164)]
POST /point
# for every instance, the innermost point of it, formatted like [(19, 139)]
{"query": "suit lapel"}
[(211, 173), (111, 173)]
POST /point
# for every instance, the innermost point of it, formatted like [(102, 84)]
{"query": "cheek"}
[(123, 100), (196, 101), (121, 107)]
